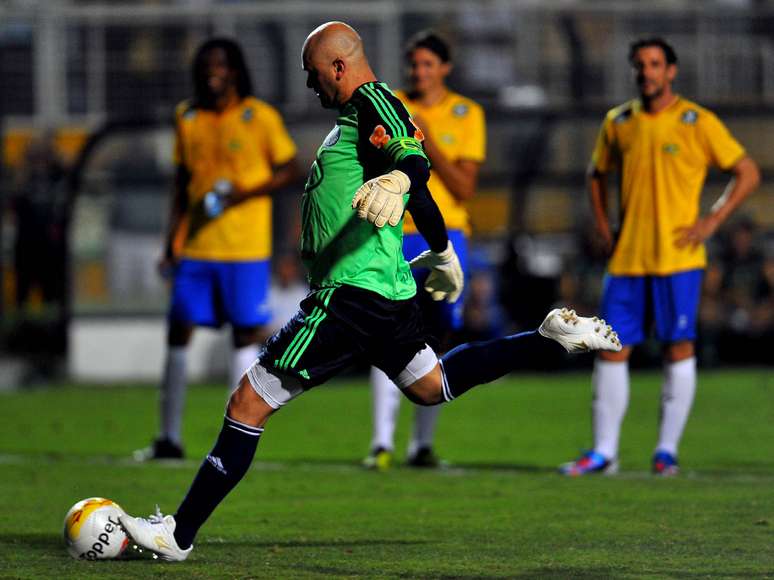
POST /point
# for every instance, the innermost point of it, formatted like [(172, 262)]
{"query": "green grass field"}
[(306, 509)]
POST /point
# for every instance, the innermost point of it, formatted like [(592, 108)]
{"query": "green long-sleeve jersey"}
[(372, 134)]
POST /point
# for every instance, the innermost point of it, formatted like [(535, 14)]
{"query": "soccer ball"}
[(92, 530)]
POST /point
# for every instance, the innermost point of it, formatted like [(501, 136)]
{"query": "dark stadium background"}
[(98, 82)]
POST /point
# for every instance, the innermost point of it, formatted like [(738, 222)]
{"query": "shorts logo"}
[(682, 321), (379, 138)]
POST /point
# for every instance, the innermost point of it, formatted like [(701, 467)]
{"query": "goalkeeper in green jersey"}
[(369, 168)]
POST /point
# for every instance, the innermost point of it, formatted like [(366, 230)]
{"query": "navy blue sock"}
[(221, 470), (476, 363)]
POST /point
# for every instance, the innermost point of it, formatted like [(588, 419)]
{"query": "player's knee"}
[(246, 406), (179, 333), (610, 356), (426, 391), (246, 335), (678, 351), (421, 380), (424, 398)]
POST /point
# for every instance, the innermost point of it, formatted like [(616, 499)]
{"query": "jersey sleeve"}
[(280, 145), (474, 146), (386, 125), (602, 158), (722, 150)]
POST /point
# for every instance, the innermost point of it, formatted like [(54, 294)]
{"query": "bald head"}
[(334, 40), (334, 58)]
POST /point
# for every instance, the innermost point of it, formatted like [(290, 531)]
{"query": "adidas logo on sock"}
[(217, 464)]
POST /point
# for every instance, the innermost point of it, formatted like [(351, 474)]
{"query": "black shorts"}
[(338, 327)]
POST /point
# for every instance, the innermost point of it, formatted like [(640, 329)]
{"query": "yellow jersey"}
[(457, 126), (662, 161), (241, 144)]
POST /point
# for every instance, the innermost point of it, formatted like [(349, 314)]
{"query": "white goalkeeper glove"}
[(446, 279), (380, 200)]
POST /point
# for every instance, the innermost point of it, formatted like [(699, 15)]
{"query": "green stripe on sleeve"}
[(385, 114)]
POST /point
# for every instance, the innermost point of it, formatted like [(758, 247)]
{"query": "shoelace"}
[(156, 518)]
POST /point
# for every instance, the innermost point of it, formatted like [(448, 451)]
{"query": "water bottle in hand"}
[(215, 200)]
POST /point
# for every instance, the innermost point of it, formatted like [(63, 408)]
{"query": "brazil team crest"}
[(689, 117), (460, 110)]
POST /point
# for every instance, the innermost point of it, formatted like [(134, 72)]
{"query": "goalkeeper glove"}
[(446, 279), (380, 200)]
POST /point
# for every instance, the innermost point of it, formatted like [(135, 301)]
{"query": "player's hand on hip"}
[(380, 200), (695, 234), (603, 239), (446, 279)]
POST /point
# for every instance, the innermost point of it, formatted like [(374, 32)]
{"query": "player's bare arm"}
[(283, 176), (177, 210), (746, 179), (460, 177), (597, 186)]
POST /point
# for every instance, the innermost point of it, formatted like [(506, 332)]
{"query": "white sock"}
[(172, 399), (425, 420), (611, 397), (386, 402), (676, 398), (241, 359)]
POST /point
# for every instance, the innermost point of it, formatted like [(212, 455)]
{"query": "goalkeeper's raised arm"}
[(395, 143)]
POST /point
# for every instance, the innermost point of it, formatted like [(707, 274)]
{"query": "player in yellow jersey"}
[(455, 142), (232, 151), (661, 146)]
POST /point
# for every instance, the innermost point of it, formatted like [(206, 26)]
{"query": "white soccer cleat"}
[(579, 333), (157, 534)]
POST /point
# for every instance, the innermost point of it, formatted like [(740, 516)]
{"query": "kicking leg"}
[(478, 363), (259, 394)]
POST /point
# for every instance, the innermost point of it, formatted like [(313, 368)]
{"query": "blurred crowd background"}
[(88, 91)]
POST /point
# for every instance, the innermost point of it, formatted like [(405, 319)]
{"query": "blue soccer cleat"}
[(590, 462), (665, 464)]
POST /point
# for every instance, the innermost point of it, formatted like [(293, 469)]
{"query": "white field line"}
[(354, 467)]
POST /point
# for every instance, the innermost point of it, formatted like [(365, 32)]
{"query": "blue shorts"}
[(209, 293), (440, 317), (630, 304)]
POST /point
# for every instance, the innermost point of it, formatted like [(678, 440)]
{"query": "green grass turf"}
[(307, 510)]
